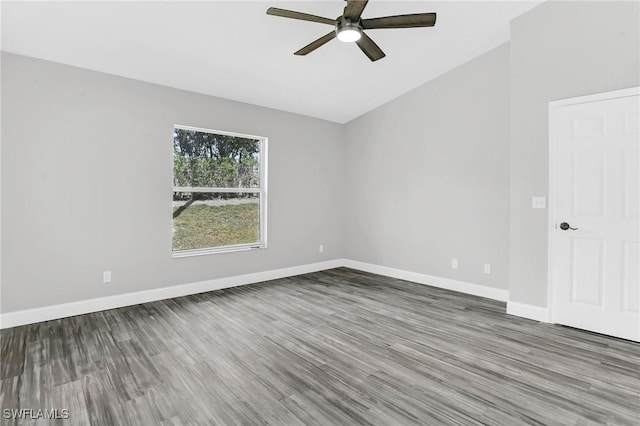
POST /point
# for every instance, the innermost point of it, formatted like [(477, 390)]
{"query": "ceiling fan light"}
[(349, 34)]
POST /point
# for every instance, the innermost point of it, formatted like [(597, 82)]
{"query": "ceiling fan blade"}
[(315, 44), (401, 21), (370, 48), (299, 15), (354, 9)]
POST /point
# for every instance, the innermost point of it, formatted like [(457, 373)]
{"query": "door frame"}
[(554, 107)]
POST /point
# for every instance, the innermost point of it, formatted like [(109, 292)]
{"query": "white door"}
[(594, 182)]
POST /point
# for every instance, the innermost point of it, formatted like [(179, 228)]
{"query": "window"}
[(219, 191)]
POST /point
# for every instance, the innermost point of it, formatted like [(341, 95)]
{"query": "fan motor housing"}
[(343, 23)]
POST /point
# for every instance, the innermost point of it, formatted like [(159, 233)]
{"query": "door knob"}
[(564, 226)]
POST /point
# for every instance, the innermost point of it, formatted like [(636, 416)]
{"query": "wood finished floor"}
[(330, 348)]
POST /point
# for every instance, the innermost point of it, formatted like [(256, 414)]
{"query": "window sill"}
[(207, 251)]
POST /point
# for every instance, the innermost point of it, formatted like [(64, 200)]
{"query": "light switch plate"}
[(538, 203)]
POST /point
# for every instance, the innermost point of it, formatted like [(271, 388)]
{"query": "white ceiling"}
[(232, 49)]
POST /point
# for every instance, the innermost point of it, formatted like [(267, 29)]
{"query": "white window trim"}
[(263, 199)]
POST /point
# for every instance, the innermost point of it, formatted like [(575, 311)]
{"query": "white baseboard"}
[(446, 283), (532, 312), (30, 316)]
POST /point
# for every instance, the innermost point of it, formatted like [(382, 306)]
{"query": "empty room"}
[(321, 212)]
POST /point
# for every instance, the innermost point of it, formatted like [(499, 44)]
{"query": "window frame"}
[(262, 191)]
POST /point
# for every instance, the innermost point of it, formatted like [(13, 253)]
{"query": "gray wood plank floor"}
[(330, 348)]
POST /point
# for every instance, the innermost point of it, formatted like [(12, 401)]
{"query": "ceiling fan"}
[(349, 26)]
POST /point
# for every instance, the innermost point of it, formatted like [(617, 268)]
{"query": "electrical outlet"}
[(487, 268), (106, 277), (538, 203), (321, 248), (454, 263)]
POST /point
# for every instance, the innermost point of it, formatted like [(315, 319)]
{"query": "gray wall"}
[(87, 184), (558, 50), (427, 176), (438, 173)]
